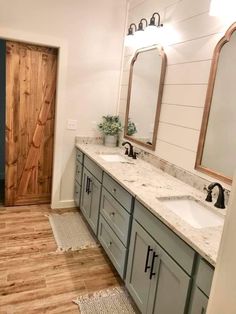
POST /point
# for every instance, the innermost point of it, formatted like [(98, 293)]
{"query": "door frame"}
[(62, 60)]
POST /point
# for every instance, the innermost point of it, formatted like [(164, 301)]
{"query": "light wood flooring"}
[(36, 279)]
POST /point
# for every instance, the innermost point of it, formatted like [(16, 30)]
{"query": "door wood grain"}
[(30, 106)]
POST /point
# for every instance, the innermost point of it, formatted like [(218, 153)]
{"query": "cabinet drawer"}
[(119, 193), (77, 193), (115, 215), (113, 246), (181, 252), (93, 168), (78, 172), (204, 276), (79, 155)]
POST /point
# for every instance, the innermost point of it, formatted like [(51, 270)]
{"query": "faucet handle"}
[(209, 194), (205, 188), (135, 155)]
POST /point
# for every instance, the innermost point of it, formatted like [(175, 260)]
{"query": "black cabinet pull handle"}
[(203, 310), (89, 186), (87, 183), (147, 259), (154, 255)]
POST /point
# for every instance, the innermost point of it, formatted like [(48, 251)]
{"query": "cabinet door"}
[(77, 192), (169, 285), (199, 303), (94, 187), (78, 172), (90, 199), (138, 269)]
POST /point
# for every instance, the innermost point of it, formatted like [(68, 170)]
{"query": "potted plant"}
[(110, 127), (131, 128)]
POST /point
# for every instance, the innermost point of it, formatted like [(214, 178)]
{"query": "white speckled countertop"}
[(148, 183)]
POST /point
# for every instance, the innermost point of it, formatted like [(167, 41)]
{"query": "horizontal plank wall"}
[(191, 36)]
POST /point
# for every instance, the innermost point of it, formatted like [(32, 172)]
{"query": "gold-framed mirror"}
[(216, 154), (146, 80)]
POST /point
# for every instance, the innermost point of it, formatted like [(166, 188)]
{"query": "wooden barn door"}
[(30, 106)]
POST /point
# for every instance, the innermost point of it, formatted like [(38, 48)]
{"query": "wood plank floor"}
[(36, 279)]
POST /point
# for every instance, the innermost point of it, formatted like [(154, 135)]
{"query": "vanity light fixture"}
[(152, 24), (137, 35), (129, 39)]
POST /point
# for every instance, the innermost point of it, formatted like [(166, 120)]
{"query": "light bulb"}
[(140, 39), (129, 41), (153, 34)]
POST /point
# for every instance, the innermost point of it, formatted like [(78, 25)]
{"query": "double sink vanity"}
[(160, 233)]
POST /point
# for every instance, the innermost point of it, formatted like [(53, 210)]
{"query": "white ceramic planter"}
[(111, 140)]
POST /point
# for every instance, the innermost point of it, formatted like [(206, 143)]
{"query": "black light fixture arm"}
[(153, 20), (130, 29), (140, 25)]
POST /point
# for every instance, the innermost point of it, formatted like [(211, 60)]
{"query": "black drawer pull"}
[(87, 183), (154, 255), (203, 310), (147, 259)]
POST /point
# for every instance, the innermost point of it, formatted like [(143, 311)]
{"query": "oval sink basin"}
[(194, 212), (113, 158)]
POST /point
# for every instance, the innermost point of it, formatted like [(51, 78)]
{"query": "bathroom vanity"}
[(166, 262)]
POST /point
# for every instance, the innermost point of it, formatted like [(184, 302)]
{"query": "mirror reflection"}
[(217, 146), (144, 97)]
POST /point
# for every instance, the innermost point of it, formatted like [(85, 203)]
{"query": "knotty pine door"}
[(30, 105)]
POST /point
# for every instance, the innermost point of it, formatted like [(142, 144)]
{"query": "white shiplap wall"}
[(189, 52)]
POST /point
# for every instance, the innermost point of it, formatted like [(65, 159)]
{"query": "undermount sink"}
[(193, 212), (113, 158)]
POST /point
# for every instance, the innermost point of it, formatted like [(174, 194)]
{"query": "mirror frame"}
[(210, 90), (159, 97)]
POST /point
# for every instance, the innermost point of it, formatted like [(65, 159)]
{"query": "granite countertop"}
[(148, 184)]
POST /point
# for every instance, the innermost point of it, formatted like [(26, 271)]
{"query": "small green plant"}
[(110, 125), (131, 128)]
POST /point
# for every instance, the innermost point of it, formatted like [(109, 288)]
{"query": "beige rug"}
[(110, 301), (70, 232)]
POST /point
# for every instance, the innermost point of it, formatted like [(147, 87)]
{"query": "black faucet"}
[(131, 149), (220, 203)]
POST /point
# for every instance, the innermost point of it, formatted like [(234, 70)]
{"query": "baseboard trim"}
[(63, 204)]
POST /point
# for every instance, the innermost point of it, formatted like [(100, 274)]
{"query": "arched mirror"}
[(216, 155), (147, 73)]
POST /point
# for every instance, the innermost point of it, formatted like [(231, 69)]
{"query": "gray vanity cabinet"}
[(78, 176), (90, 199), (115, 220), (77, 193), (169, 289), (202, 287), (199, 303), (153, 277), (137, 276)]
